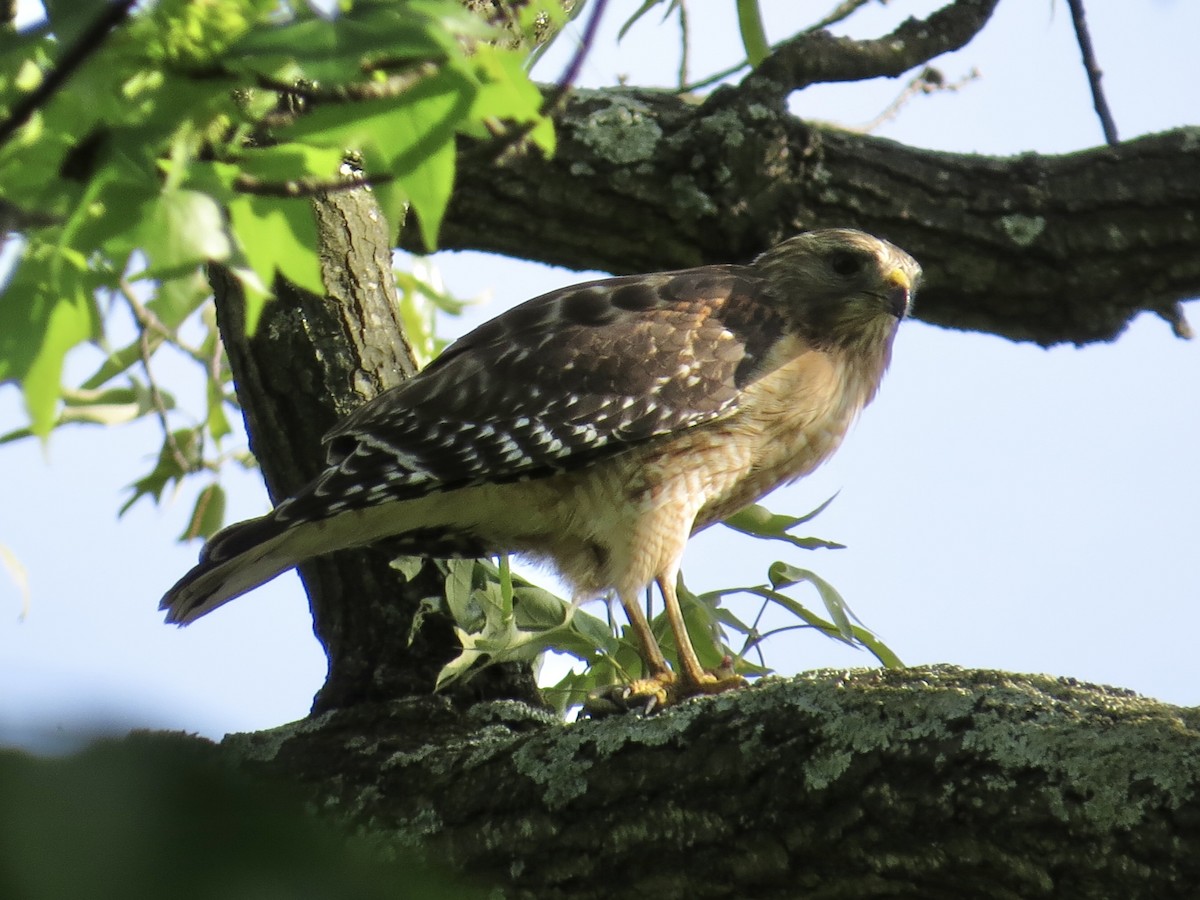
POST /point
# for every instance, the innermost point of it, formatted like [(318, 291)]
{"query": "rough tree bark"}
[(921, 784), (1042, 248), (310, 362), (924, 783)]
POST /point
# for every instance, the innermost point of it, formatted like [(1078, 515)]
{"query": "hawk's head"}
[(842, 288)]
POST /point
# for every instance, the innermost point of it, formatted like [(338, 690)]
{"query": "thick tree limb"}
[(1041, 248), (917, 783)]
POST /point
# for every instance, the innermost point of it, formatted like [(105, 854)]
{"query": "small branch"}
[(841, 12), (1094, 73), (685, 43), (148, 322), (85, 46), (818, 57), (571, 73), (712, 79), (306, 187), (392, 86), (15, 218), (554, 98), (928, 81)]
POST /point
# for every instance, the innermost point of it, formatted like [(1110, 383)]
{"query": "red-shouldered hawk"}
[(597, 427)]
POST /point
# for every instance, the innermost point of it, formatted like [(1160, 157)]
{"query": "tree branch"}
[(312, 360), (1084, 38), (1041, 248), (817, 57), (911, 783)]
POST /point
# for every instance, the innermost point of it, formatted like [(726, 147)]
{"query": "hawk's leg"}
[(656, 687), (656, 663), (693, 679), (659, 686)]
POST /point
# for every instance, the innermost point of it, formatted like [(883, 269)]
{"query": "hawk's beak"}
[(900, 292)]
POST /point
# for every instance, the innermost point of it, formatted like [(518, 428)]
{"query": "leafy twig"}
[(85, 46), (393, 86), (307, 187), (148, 322), (555, 96)]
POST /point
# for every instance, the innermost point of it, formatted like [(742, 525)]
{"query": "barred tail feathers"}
[(241, 557), (236, 560)]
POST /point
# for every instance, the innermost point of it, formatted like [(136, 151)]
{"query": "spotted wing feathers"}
[(553, 384)]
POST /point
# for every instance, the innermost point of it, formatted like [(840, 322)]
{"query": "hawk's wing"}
[(555, 383)]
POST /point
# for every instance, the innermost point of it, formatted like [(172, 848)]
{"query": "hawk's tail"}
[(239, 558), (236, 559)]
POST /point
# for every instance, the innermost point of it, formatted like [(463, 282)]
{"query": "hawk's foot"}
[(716, 681), (647, 695), (644, 695)]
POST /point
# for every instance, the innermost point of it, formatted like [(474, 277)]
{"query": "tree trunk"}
[(310, 362)]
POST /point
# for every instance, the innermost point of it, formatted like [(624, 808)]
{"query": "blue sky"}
[(1004, 506)]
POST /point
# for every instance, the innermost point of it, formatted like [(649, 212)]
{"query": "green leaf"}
[(784, 575), (180, 230), (536, 608), (331, 51), (207, 515), (178, 298), (216, 420), (111, 406), (507, 94), (641, 11), (179, 456), (760, 522), (290, 161), (421, 151), (278, 234), (411, 137), (256, 294), (799, 610), (41, 318), (408, 566), (754, 37), (881, 651), (460, 575)]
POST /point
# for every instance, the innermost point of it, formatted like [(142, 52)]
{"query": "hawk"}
[(596, 428)]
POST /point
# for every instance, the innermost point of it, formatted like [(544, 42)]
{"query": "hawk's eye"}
[(847, 263)]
